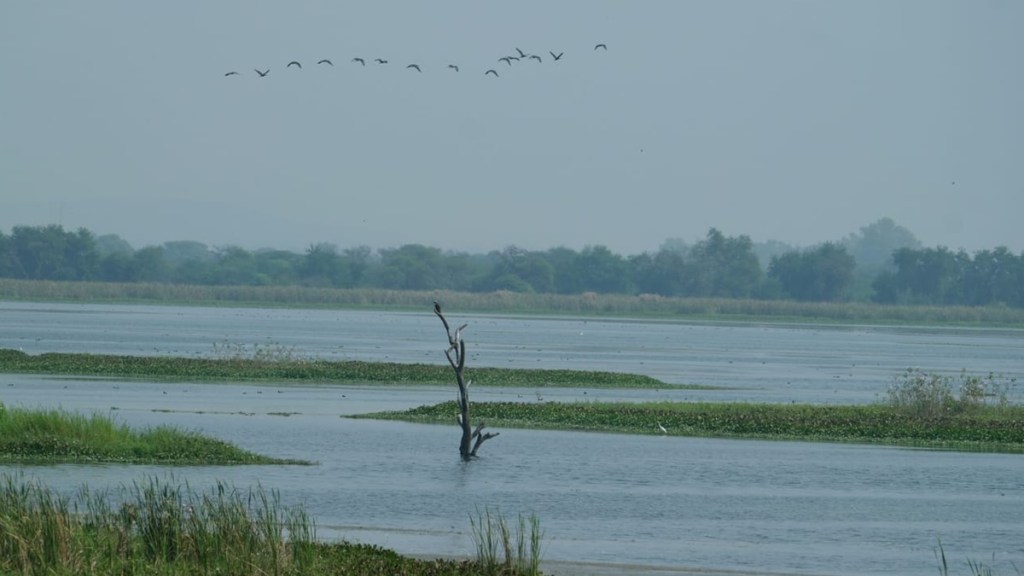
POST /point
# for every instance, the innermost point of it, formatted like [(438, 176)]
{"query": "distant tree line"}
[(858, 268)]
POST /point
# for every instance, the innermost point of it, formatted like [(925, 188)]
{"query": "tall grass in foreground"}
[(501, 549), (974, 567), (151, 527)]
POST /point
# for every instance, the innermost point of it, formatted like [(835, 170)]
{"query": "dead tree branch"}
[(456, 354)]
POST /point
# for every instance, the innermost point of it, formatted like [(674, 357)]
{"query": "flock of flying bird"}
[(519, 56)]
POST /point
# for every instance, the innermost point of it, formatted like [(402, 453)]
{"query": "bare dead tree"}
[(472, 438)]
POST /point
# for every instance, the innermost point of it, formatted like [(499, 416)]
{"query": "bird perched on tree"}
[(293, 63), (326, 61), (262, 74), (232, 73), (556, 56), (437, 307), (491, 72), (360, 60), (416, 66)]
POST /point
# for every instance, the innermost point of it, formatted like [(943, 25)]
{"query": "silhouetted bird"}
[(416, 66), (491, 72), (326, 61), (554, 56), (437, 307), (262, 74), (506, 60), (293, 63), (601, 46), (360, 60), (232, 73), (453, 67), (381, 61), (521, 53), (535, 57)]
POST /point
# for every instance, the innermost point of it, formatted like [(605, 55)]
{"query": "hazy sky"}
[(798, 121)]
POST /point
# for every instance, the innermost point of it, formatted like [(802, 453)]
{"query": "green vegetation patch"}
[(986, 428), (46, 436), (277, 369), (156, 527)]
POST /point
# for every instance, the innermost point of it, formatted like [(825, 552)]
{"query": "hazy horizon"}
[(798, 122)]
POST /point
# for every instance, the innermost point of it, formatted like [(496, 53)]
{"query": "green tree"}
[(663, 273), (321, 266), (601, 270), (874, 245), (824, 273), (723, 266), (519, 270)]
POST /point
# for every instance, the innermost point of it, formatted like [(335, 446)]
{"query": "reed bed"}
[(586, 304), (283, 366), (43, 436), (986, 428), (162, 527)]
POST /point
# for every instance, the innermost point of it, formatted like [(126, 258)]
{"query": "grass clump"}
[(928, 395), (151, 527), (47, 436), (240, 363), (986, 428), (160, 527), (501, 549)]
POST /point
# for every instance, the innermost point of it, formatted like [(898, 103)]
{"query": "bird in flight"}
[(521, 53), (381, 61), (416, 66), (556, 56), (326, 61), (262, 74), (360, 60), (601, 46), (491, 72), (293, 63), (535, 57), (506, 60), (453, 67), (232, 73)]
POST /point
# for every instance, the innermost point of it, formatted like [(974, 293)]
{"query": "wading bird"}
[(232, 73), (360, 60), (326, 61), (416, 66), (453, 67), (491, 72), (293, 63), (262, 74), (601, 46), (556, 56), (662, 428)]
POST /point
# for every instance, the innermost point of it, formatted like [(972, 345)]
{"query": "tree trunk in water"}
[(472, 438)]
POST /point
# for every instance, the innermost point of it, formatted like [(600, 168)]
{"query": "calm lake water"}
[(652, 502)]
